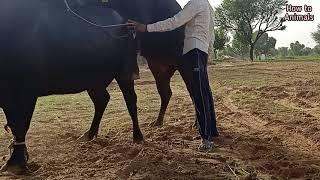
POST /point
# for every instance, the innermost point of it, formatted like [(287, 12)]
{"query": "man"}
[(196, 16)]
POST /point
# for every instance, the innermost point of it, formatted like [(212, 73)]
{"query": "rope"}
[(89, 22), (14, 143)]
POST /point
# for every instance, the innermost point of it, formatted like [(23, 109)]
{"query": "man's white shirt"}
[(196, 16)]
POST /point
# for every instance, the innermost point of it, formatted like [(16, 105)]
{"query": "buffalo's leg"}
[(100, 98), (162, 74), (130, 97), (19, 114)]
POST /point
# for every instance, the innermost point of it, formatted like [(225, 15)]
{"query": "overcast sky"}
[(296, 31)]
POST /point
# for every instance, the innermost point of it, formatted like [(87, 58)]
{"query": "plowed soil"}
[(268, 116)]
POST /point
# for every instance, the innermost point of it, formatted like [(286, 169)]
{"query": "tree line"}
[(248, 23)]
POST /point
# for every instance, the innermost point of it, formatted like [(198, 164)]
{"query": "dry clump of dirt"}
[(273, 92)]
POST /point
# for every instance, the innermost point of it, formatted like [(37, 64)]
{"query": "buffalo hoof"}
[(138, 137), (86, 137), (14, 169), (157, 124), (17, 164)]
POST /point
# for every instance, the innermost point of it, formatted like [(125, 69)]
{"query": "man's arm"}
[(185, 15)]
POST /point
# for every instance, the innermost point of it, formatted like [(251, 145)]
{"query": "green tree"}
[(306, 51), (283, 51), (228, 51), (271, 44), (297, 48), (261, 44), (239, 46), (316, 35), (265, 44), (220, 41), (246, 16), (273, 52), (316, 49)]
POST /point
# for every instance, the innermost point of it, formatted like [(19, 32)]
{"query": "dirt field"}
[(268, 116)]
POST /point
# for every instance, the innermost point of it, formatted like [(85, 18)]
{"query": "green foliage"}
[(298, 51), (220, 41), (283, 51), (265, 44), (306, 51), (246, 16), (297, 48), (221, 38), (316, 35), (273, 52), (228, 51), (239, 46), (316, 50)]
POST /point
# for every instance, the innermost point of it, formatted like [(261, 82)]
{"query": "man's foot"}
[(206, 146)]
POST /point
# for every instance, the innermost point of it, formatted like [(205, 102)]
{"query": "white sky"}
[(296, 31)]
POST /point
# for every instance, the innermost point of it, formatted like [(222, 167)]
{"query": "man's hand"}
[(135, 26)]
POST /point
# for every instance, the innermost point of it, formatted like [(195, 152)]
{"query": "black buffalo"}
[(46, 50), (161, 50)]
